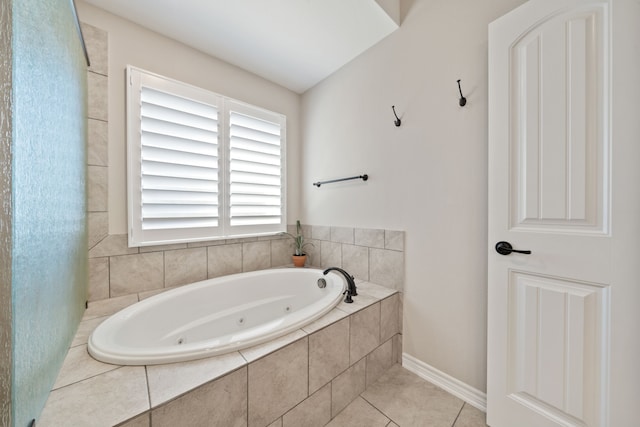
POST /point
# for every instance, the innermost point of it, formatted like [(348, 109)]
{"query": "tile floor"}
[(401, 398)]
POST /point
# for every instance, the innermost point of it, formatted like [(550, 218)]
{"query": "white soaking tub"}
[(215, 316)]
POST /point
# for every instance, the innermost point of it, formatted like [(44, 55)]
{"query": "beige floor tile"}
[(359, 413), (173, 379), (409, 400), (471, 417)]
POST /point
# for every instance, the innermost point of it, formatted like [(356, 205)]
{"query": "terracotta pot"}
[(299, 260)]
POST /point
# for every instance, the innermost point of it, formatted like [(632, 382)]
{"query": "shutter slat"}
[(179, 197), (253, 157), (178, 171), (150, 139), (171, 115), (256, 168), (250, 122), (254, 178), (255, 200), (177, 130), (257, 146), (258, 220), (177, 157), (256, 189), (152, 182), (176, 102), (181, 223)]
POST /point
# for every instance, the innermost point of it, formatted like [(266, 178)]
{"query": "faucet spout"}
[(351, 284)]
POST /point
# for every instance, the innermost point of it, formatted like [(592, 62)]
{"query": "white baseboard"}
[(472, 396)]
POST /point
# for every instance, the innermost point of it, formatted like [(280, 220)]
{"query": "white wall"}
[(132, 44), (427, 177)]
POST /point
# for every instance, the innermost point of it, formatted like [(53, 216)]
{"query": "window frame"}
[(136, 78)]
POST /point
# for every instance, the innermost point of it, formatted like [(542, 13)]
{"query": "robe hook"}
[(463, 100), (397, 121)]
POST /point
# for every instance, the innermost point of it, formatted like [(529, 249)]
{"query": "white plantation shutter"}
[(179, 162), (200, 166), (256, 174)]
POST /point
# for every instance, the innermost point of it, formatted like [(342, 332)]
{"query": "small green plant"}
[(298, 240)]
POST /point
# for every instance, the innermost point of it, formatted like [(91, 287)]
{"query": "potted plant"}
[(299, 256)]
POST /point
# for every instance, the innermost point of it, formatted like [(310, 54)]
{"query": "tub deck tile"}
[(104, 400), (78, 366), (85, 328), (257, 351), (109, 306), (373, 290), (171, 380), (330, 318)]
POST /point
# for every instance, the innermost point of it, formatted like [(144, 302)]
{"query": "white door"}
[(564, 156)]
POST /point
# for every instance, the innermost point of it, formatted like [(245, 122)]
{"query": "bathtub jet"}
[(215, 316)]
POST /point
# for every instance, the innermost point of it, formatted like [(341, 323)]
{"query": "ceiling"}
[(294, 43)]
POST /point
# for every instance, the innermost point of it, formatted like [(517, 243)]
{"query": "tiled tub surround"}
[(116, 270), (309, 375)]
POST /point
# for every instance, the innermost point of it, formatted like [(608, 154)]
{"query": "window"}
[(200, 166)]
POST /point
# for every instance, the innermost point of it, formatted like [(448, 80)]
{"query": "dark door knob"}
[(505, 248)]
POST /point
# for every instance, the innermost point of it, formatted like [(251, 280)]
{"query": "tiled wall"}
[(116, 270), (97, 44), (372, 255)]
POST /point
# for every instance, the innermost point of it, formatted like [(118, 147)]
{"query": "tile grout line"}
[(146, 376), (87, 378), (458, 416), (377, 409), (247, 411)]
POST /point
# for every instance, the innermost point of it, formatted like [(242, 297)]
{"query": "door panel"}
[(558, 115), (558, 328)]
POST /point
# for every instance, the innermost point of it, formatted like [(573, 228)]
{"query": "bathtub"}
[(215, 316)]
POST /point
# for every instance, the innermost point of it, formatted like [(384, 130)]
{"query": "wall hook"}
[(397, 121), (463, 100)]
